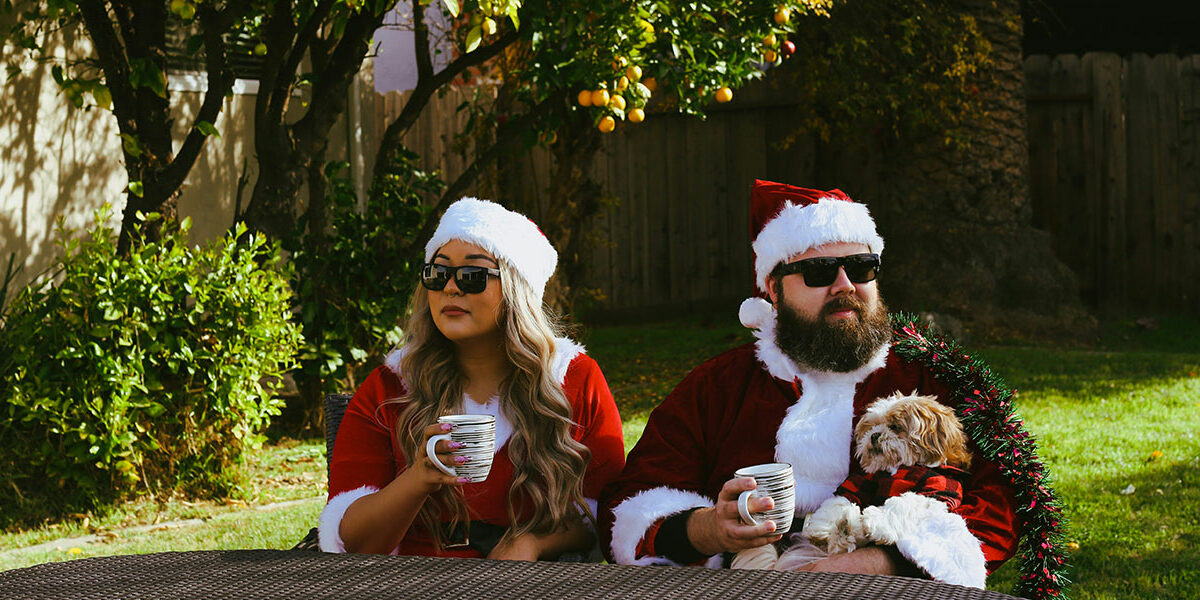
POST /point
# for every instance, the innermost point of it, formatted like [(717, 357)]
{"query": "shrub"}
[(353, 278), (147, 373)]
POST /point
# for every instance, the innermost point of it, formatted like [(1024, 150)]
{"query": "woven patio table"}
[(269, 574)]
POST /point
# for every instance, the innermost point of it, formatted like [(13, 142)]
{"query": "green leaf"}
[(135, 188), (131, 145), (512, 14), (452, 6), (474, 36), (207, 128)]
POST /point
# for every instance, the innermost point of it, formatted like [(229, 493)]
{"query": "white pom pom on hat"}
[(756, 313), (506, 234)]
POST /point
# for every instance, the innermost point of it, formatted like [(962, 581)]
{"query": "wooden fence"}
[(1114, 147), (1114, 170)]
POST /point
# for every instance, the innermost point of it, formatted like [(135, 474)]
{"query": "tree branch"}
[(270, 105), (301, 43), (424, 91), (506, 136), (220, 81), (344, 62), (112, 61), (421, 43)]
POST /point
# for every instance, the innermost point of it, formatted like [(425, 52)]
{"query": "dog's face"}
[(905, 430)]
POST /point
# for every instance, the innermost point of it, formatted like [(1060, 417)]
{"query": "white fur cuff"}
[(328, 526), (637, 513)]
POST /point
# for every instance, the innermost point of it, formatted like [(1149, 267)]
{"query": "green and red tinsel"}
[(984, 405)]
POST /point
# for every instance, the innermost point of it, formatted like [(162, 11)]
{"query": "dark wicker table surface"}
[(254, 574)]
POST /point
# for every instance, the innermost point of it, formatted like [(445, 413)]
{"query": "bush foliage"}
[(152, 372)]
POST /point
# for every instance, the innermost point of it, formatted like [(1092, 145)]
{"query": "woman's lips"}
[(454, 311)]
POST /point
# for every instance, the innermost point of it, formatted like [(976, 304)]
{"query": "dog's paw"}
[(878, 526), (836, 526)]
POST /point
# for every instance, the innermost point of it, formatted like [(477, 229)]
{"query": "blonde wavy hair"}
[(548, 463)]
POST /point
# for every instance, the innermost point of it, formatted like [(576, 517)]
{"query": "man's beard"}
[(841, 346)]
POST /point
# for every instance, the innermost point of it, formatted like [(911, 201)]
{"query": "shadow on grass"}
[(1088, 373)]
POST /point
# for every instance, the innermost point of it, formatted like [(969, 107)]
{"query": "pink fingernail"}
[(461, 459), (464, 480), (447, 426), (456, 445)]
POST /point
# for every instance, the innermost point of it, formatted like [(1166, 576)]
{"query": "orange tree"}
[(544, 53)]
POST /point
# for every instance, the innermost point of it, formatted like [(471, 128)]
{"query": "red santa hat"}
[(506, 234), (786, 220)]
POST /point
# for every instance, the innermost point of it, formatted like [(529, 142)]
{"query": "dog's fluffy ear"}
[(936, 432)]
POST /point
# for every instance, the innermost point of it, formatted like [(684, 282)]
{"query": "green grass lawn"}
[(1117, 423)]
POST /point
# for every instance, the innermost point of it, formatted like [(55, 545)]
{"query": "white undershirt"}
[(491, 407)]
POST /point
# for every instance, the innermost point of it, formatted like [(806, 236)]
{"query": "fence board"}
[(1189, 165), (1114, 149)]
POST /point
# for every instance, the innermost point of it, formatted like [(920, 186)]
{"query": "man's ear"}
[(773, 289)]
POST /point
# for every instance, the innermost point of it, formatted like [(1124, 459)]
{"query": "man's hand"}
[(872, 560), (720, 529)]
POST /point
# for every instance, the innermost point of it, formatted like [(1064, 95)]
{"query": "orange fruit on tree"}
[(488, 27), (607, 124), (650, 83), (600, 98), (782, 15), (770, 56), (724, 95), (585, 98), (769, 41), (634, 73), (622, 83), (636, 116), (617, 102)]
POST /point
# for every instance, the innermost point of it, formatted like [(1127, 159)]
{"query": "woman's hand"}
[(423, 474)]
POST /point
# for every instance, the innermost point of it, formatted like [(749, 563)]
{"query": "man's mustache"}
[(840, 303)]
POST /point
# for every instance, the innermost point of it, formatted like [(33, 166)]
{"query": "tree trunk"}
[(957, 220), (575, 198)]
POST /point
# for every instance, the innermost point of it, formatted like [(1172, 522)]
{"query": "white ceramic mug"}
[(774, 480), (477, 434)]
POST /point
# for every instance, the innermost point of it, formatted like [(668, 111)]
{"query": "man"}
[(822, 354)]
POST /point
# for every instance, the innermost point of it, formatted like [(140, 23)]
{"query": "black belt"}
[(479, 535)]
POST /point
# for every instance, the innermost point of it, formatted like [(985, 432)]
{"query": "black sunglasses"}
[(823, 270), (469, 279)]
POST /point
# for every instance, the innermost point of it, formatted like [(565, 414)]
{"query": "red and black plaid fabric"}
[(872, 489)]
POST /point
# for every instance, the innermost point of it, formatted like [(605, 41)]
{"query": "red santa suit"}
[(367, 456), (753, 405)]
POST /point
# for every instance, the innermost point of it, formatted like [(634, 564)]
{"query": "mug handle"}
[(431, 453), (743, 510)]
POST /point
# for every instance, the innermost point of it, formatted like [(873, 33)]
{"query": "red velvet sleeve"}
[(364, 453), (598, 423)]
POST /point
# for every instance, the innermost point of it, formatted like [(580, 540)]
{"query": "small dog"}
[(911, 448)]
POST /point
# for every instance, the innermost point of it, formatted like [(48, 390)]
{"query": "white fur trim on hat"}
[(505, 234), (633, 516), (799, 228)]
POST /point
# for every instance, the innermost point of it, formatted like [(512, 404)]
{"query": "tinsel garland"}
[(986, 410)]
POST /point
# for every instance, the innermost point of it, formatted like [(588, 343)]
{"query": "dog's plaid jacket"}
[(872, 489)]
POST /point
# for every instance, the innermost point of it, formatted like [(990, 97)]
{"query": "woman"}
[(478, 342)]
